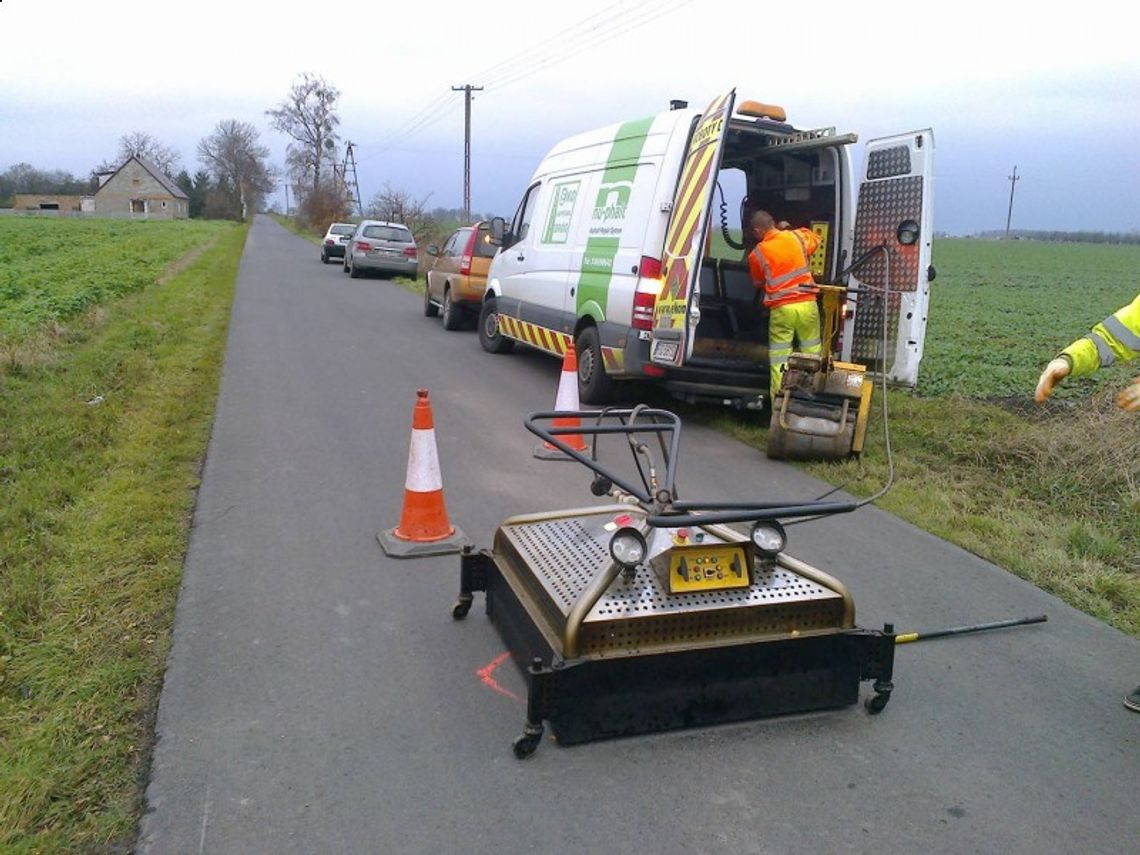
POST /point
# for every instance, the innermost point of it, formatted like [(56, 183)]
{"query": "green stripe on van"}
[(610, 208)]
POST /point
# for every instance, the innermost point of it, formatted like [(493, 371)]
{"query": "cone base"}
[(549, 452), (397, 547)]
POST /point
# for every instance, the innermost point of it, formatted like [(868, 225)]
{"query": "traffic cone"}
[(424, 528), (566, 401)]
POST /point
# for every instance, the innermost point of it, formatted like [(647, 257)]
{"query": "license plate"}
[(708, 568), (664, 351)]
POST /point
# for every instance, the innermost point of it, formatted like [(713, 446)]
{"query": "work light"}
[(627, 547), (769, 538)]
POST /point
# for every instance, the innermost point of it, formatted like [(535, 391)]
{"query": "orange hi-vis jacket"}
[(781, 263)]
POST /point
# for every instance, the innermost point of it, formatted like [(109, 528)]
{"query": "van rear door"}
[(674, 318), (897, 189)]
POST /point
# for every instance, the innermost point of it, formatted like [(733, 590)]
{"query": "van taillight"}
[(364, 246), (410, 251), (643, 303), (650, 268)]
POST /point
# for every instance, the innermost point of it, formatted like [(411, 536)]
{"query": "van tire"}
[(490, 338), (452, 314), (430, 308), (594, 384)]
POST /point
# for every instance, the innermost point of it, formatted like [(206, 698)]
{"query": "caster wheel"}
[(460, 609), (877, 703), (525, 745)]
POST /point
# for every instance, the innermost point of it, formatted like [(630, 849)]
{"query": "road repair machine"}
[(653, 613)]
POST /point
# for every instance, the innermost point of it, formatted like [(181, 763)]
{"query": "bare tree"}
[(399, 206), (142, 144), (308, 117), (237, 160)]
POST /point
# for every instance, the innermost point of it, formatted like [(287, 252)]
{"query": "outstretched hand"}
[(1054, 373)]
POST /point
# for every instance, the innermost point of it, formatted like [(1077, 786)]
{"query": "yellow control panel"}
[(819, 257), (711, 567)]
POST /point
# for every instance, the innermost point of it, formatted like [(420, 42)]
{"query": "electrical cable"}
[(886, 292)]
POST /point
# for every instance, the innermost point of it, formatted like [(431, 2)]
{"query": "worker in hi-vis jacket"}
[(1116, 337), (780, 264)]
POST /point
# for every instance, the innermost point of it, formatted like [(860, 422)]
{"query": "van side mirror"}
[(498, 231)]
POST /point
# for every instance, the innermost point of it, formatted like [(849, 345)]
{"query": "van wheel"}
[(430, 308), (594, 384), (452, 314), (490, 338)]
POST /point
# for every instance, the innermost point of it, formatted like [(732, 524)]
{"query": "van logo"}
[(613, 200)]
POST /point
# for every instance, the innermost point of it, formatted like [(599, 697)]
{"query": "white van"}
[(627, 245)]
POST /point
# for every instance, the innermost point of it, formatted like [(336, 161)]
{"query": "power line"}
[(570, 42), (620, 30)]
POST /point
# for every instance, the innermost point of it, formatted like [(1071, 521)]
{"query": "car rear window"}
[(392, 233), (343, 230), (483, 247)]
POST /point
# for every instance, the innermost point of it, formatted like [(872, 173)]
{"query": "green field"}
[(999, 310), (52, 269)]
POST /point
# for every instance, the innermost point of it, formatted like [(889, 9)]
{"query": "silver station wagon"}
[(383, 247)]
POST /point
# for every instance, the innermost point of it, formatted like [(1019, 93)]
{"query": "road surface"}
[(320, 699)]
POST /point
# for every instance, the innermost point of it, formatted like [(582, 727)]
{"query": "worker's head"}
[(760, 223)]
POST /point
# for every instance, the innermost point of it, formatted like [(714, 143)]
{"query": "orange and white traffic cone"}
[(424, 528), (565, 401)]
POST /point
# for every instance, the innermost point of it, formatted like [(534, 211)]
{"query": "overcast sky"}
[(1055, 92)]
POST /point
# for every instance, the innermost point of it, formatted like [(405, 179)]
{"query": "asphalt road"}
[(320, 699)]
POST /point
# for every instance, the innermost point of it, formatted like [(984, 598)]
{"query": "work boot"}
[(1132, 701)]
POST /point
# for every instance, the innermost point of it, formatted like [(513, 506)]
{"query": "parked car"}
[(458, 276), (382, 247), (335, 240)]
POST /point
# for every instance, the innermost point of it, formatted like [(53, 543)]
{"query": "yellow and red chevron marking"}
[(549, 340), (614, 358), (689, 200)]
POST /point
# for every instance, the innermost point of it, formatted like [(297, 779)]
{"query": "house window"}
[(138, 206)]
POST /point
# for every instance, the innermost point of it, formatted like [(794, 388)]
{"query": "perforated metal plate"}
[(565, 555), (883, 205)]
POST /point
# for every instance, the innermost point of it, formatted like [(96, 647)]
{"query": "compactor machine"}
[(652, 613)]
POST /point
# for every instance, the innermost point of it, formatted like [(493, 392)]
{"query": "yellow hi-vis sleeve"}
[(1116, 337)]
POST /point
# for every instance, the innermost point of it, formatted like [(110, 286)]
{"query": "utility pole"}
[(1013, 179), (286, 197), (467, 89)]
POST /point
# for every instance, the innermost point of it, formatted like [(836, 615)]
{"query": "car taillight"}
[(364, 246), (329, 242), (468, 251), (410, 251)]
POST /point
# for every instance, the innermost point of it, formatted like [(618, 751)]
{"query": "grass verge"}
[(1053, 498), (100, 449)]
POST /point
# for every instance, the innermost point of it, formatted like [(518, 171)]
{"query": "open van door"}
[(675, 316), (894, 199)]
